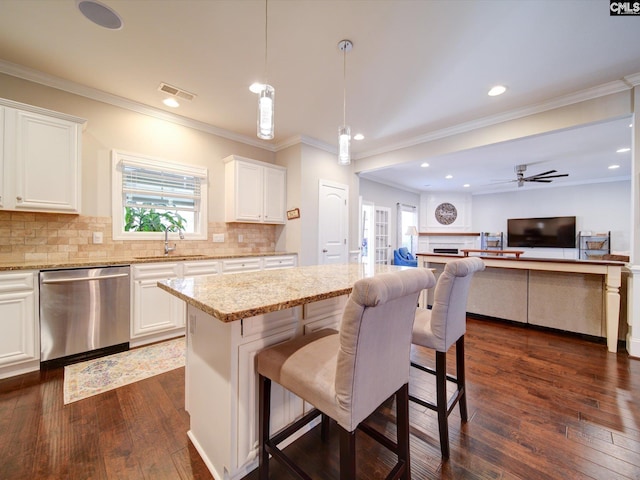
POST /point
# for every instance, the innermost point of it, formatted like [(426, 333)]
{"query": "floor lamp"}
[(412, 232)]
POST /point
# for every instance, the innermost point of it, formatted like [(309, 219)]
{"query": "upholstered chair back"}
[(375, 341), (449, 310)]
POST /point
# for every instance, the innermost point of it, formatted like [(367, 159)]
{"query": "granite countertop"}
[(108, 261), (236, 296)]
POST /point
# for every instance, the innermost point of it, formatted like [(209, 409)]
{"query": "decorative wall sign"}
[(446, 213), (291, 214)]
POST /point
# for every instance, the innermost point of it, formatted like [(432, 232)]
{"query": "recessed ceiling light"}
[(424, 165), (449, 177), (613, 167), (623, 150), (256, 87), (171, 102), (358, 136), (466, 185), (497, 90), (100, 14)]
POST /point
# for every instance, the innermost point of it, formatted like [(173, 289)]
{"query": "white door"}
[(383, 242), (333, 223)]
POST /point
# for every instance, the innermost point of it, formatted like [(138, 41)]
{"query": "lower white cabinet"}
[(286, 406), (222, 383), (236, 265), (20, 339), (324, 314), (156, 315)]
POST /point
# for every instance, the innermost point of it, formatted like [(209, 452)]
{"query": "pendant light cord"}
[(266, 26), (344, 85)]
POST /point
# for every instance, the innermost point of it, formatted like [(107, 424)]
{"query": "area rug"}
[(92, 377)]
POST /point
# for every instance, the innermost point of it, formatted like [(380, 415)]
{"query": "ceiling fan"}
[(544, 177)]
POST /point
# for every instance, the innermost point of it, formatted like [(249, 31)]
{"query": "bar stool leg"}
[(264, 415), (461, 378), (347, 454), (402, 422), (441, 401)]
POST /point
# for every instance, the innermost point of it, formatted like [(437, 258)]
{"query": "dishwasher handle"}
[(84, 279)]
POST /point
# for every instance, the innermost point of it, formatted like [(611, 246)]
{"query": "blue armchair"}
[(403, 257)]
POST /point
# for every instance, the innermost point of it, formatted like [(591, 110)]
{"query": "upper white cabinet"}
[(255, 192), (40, 159)]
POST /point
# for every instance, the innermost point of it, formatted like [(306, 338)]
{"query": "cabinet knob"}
[(19, 199), (324, 250)]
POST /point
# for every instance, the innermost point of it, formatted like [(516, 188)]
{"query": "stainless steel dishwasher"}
[(84, 313)]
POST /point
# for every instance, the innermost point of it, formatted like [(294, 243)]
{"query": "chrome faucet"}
[(167, 248)]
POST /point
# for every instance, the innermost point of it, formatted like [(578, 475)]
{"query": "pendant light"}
[(344, 132), (266, 99)]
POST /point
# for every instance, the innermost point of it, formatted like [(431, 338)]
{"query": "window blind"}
[(155, 188)]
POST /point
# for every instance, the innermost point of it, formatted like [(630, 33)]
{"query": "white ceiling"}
[(417, 66)]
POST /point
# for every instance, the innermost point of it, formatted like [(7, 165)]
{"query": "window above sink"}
[(151, 196)]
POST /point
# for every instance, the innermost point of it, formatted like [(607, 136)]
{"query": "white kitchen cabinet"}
[(324, 314), (2, 170), (245, 264), (223, 386), (200, 267), (41, 152), (280, 261), (19, 328), (286, 406), (255, 192), (156, 315)]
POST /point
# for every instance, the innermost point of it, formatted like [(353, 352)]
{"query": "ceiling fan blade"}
[(544, 173), (541, 174), (540, 180), (552, 176)]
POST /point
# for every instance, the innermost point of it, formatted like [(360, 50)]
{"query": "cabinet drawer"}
[(327, 322), (325, 308), (270, 321), (201, 267), (280, 262), (241, 265), (16, 282), (158, 271)]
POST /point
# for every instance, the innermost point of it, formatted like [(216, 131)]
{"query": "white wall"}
[(597, 207)]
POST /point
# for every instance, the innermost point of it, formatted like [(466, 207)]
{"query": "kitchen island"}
[(230, 318), (580, 296)]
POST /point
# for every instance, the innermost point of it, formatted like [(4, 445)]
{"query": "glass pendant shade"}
[(266, 104), (344, 145)]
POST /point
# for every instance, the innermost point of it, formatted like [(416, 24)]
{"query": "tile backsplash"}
[(27, 237)]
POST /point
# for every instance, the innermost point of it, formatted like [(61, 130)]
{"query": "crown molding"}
[(393, 185), (609, 88), (36, 76), (633, 80), (47, 80)]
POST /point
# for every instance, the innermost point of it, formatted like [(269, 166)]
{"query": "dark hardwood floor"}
[(541, 406)]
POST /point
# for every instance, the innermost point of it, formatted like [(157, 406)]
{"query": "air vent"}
[(175, 91)]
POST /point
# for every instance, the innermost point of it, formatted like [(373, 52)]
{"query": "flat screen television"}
[(551, 232)]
